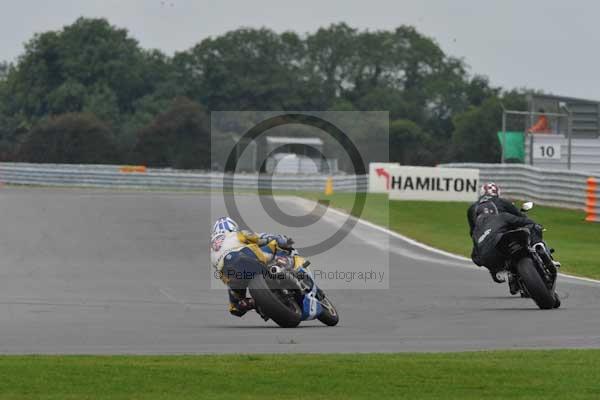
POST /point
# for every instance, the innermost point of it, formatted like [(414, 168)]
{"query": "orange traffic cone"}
[(590, 202), (329, 186)]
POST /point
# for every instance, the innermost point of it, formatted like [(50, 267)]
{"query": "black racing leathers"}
[(490, 217)]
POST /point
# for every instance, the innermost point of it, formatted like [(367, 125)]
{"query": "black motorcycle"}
[(529, 266)]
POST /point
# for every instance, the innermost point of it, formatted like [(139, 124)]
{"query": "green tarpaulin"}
[(514, 148)]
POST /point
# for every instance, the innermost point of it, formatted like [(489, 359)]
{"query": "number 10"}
[(547, 151)]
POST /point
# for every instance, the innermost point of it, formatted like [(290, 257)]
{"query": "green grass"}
[(444, 225), (491, 375)]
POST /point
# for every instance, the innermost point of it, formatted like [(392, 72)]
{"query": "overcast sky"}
[(542, 44)]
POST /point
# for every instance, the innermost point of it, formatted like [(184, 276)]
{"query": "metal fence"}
[(545, 186), (111, 176), (585, 153), (560, 188)]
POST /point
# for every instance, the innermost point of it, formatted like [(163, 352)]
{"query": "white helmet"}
[(489, 189), (224, 224)]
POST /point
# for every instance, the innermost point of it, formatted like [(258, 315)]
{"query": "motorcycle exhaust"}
[(275, 270)]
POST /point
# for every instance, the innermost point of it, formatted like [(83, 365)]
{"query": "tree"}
[(68, 97), (409, 144), (4, 69), (178, 138), (329, 53), (85, 63), (93, 67), (102, 101), (474, 139), (245, 69), (70, 138), (479, 89)]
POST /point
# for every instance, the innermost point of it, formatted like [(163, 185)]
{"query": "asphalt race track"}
[(93, 271)]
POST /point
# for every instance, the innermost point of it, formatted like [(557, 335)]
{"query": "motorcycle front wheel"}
[(329, 315)]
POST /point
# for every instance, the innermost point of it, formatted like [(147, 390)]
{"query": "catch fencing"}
[(128, 177), (562, 188)]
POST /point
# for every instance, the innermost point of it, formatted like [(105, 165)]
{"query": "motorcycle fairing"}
[(311, 307)]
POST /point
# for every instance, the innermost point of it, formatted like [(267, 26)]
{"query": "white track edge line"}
[(430, 248)]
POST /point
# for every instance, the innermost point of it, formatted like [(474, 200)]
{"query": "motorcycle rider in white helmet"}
[(238, 255)]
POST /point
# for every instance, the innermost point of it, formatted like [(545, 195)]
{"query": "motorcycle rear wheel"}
[(543, 297), (285, 312)]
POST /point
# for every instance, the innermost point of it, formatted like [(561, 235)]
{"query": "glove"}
[(283, 241), (534, 225)]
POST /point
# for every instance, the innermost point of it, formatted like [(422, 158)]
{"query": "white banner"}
[(438, 184), (379, 176)]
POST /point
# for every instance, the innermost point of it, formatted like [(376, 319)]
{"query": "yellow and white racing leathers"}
[(237, 257)]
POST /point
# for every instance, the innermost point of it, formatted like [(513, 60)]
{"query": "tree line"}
[(89, 93)]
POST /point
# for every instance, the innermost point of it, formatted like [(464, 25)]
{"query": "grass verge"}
[(444, 225), (559, 374)]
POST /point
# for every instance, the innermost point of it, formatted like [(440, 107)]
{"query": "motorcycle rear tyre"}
[(543, 297), (272, 306)]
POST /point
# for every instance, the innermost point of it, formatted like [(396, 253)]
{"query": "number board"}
[(547, 151)]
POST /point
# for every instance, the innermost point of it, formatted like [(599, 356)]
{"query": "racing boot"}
[(247, 304), (513, 285), (496, 276), (556, 300), (242, 307)]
